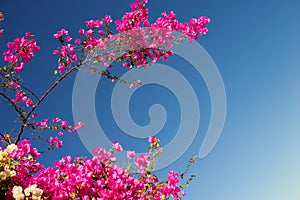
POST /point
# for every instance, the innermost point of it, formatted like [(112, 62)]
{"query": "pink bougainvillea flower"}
[(139, 82), (77, 41), (34, 115), (14, 84), (107, 19), (102, 155), (1, 32), (130, 154), (55, 141), (20, 51), (77, 126), (68, 39), (117, 147), (19, 96), (56, 119), (43, 124), (64, 124), (81, 32), (19, 67), (142, 161), (152, 139), (61, 33), (27, 34), (28, 101)]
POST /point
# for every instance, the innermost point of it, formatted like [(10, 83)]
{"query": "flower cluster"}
[(193, 29), (142, 161), (21, 51), (21, 97), (154, 141), (13, 84), (138, 16), (66, 52), (87, 179), (138, 43), (99, 177), (147, 42), (57, 124)]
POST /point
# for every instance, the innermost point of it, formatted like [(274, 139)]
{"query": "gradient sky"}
[(256, 47)]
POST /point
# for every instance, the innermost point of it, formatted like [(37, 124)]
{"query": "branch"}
[(24, 124), (22, 86), (17, 109), (5, 138), (25, 120), (30, 91)]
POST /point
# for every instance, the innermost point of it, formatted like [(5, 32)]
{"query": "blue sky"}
[(255, 45)]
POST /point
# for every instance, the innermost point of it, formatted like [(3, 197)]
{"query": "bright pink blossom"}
[(21, 97), (142, 161), (152, 139), (117, 147), (61, 33), (34, 115), (56, 119), (77, 126), (92, 24), (1, 32), (103, 155), (77, 41), (14, 84), (64, 124), (102, 32), (43, 124), (139, 82), (107, 19), (55, 141), (20, 51), (19, 67), (130, 154)]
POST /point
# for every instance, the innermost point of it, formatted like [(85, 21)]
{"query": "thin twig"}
[(24, 124), (17, 109), (22, 86)]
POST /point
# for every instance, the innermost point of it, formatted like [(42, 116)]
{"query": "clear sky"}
[(256, 47)]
